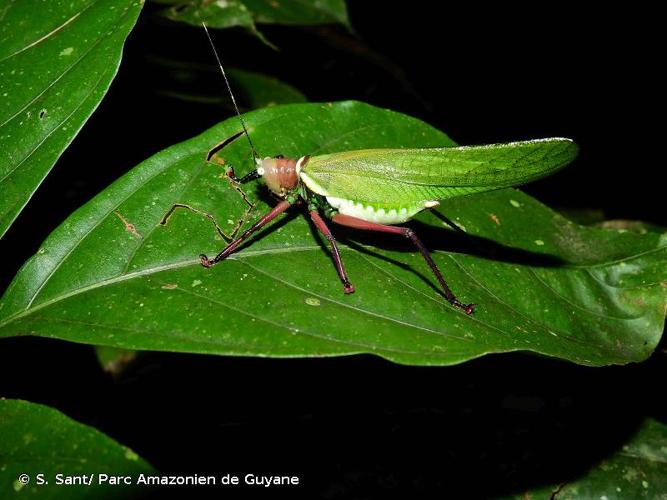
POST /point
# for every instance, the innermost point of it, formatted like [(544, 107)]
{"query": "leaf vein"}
[(354, 308)]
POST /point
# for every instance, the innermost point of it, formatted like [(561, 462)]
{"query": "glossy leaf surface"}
[(113, 275), (57, 60)]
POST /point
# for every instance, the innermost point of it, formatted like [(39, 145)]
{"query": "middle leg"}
[(321, 225)]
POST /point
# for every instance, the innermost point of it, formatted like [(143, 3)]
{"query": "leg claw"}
[(468, 308), (205, 261)]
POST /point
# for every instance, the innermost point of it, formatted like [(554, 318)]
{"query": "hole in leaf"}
[(216, 149)]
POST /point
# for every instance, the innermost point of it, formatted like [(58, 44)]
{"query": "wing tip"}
[(563, 147)]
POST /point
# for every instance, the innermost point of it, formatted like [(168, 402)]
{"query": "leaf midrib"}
[(248, 253), (124, 277), (117, 22), (50, 33), (147, 272), (153, 270)]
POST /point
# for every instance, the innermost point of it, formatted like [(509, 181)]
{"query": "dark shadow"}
[(351, 427), (449, 222), (435, 238), (461, 242), (451, 241), (422, 273)]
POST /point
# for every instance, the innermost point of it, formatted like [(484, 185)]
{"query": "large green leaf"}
[(57, 60), (36, 439), (638, 470), (112, 275)]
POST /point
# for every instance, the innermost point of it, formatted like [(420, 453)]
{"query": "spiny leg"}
[(235, 182), (321, 225), (275, 211), (247, 211), (354, 222)]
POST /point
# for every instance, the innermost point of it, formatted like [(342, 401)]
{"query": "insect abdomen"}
[(379, 213)]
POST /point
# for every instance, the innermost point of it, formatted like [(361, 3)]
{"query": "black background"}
[(361, 427)]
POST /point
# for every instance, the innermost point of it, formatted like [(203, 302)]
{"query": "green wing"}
[(412, 175)]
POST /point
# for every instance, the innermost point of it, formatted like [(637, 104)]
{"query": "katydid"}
[(374, 189)]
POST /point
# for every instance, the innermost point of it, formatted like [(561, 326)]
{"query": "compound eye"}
[(279, 157)]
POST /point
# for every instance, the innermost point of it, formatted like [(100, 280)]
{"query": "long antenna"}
[(255, 156)]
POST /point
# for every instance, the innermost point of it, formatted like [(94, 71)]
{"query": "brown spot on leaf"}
[(129, 227), (494, 218), (169, 286)]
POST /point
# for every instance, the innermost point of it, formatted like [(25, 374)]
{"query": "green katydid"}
[(374, 189)]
